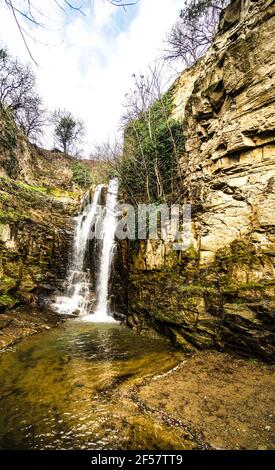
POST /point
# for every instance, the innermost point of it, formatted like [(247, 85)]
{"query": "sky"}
[(86, 62)]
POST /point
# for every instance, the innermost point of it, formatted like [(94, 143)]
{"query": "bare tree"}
[(32, 118), (17, 81), (18, 94), (146, 89), (193, 33), (68, 131), (107, 152)]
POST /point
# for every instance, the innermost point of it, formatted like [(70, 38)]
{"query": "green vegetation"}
[(38, 189), (7, 284), (81, 175), (8, 135), (153, 145), (68, 131), (3, 197), (7, 301), (44, 190), (248, 285), (192, 288), (60, 193), (12, 216)]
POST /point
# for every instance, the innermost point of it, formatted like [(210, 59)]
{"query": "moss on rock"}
[(7, 302), (204, 306), (7, 284)]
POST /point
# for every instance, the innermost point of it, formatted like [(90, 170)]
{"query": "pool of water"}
[(69, 389)]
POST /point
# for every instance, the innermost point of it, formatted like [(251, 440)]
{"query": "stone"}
[(242, 312), (37, 199), (223, 296)]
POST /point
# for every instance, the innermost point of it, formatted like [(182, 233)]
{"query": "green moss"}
[(4, 197), (248, 285), (7, 284), (191, 253), (197, 288), (181, 342), (30, 192), (13, 268), (7, 301), (38, 189), (12, 216), (239, 252), (61, 193)]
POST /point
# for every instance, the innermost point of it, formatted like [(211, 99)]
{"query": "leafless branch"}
[(193, 32), (10, 5), (30, 15)]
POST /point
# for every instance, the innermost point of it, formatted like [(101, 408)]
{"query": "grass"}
[(12, 216), (197, 289), (248, 285), (38, 189), (3, 196), (7, 301), (6, 284)]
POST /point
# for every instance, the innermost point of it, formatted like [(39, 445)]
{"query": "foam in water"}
[(78, 290), (101, 313)]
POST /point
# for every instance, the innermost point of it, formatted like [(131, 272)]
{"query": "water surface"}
[(68, 389)]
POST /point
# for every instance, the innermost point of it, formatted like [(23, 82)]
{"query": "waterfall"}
[(77, 292), (77, 298), (101, 313)]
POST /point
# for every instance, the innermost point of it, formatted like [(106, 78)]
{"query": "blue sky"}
[(89, 60)]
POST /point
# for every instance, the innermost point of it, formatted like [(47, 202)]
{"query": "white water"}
[(101, 313), (77, 298), (78, 292)]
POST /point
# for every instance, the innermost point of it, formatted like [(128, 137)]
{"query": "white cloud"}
[(88, 67)]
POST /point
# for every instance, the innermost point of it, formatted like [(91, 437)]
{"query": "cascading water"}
[(78, 286), (101, 313), (77, 297)]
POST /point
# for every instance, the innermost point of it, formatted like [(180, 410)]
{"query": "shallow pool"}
[(69, 389)]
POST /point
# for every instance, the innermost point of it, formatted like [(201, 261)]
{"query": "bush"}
[(153, 144), (81, 175)]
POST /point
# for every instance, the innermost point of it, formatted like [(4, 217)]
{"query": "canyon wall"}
[(38, 196), (220, 291)]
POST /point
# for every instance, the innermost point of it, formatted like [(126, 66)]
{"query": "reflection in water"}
[(66, 389)]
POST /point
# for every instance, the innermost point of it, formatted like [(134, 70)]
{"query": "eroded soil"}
[(20, 323), (228, 402)]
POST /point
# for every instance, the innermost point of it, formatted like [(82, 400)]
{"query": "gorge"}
[(149, 347)]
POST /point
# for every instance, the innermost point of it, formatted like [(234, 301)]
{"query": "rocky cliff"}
[(38, 195), (219, 292)]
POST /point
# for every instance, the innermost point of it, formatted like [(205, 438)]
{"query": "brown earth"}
[(18, 324), (227, 402)]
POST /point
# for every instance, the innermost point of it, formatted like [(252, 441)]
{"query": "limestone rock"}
[(220, 292), (37, 200)]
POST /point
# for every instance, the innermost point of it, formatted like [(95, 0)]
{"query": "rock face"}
[(219, 292), (35, 217)]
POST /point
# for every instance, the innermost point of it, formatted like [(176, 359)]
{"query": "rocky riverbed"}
[(20, 323)]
